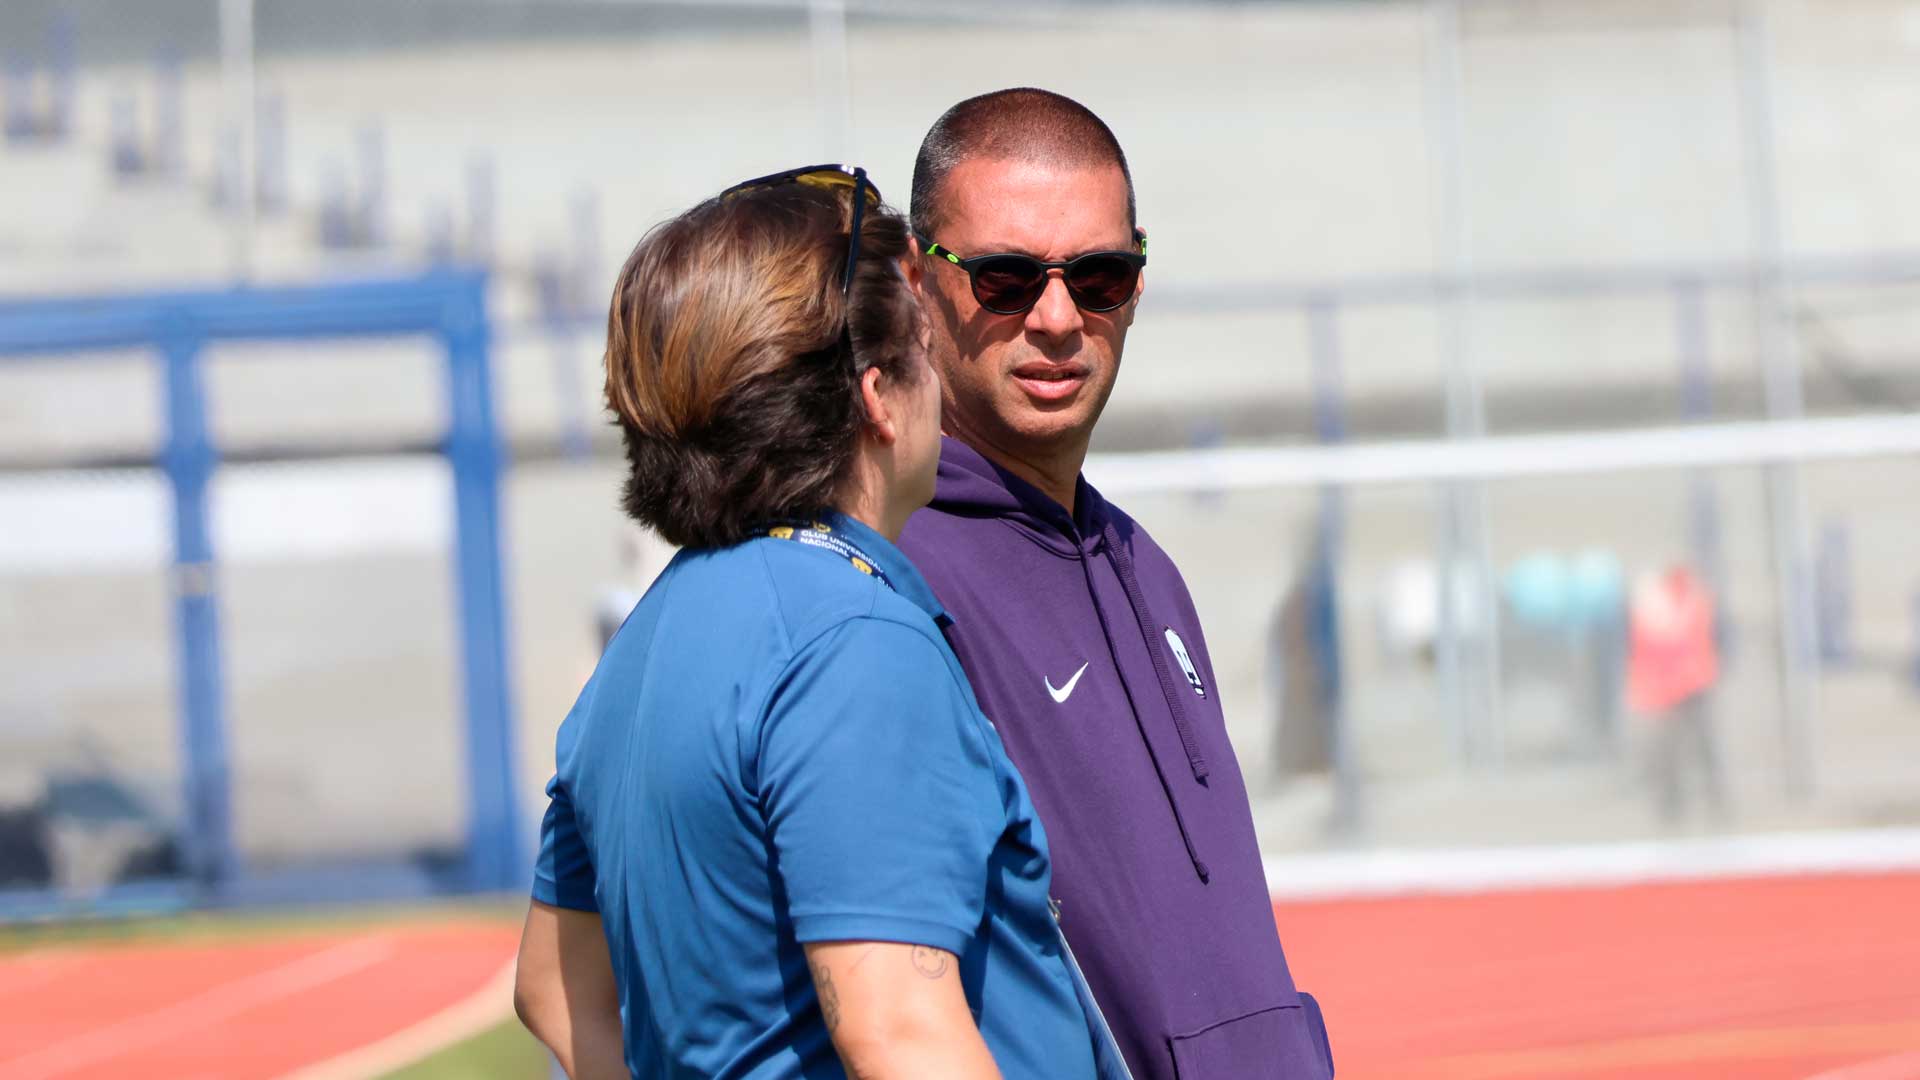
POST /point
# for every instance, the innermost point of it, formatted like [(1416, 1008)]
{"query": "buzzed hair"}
[(1020, 124)]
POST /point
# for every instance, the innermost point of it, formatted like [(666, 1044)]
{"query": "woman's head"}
[(740, 398)]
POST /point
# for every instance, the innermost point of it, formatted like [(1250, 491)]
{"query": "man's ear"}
[(1140, 287), (879, 416)]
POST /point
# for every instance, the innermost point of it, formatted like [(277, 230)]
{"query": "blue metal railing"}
[(448, 305)]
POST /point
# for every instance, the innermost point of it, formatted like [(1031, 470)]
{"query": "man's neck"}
[(1057, 477)]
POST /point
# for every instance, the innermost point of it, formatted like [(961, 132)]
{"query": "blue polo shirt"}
[(779, 747)]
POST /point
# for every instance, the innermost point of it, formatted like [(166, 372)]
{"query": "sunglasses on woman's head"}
[(1011, 283), (832, 178)]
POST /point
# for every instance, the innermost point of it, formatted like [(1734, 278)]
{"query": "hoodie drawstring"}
[(1173, 802), (1144, 617)]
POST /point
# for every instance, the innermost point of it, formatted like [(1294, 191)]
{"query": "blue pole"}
[(167, 152), (1704, 541), (1329, 385), (1833, 570), (189, 459), (480, 209), (371, 204), (18, 122), (60, 77), (493, 821), (128, 157), (1916, 641), (1330, 425), (1690, 330), (270, 154)]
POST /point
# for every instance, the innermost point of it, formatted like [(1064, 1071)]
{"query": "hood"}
[(971, 486)]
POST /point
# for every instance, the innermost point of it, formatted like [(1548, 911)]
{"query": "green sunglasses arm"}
[(928, 247)]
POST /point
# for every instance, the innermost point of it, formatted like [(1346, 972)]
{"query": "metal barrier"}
[(1472, 694), (448, 306)]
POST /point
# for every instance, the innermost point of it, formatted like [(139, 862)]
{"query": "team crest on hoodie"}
[(1186, 662)]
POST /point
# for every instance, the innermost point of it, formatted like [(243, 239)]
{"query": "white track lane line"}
[(1409, 872), (1897, 1067), (199, 1011), (461, 1020)]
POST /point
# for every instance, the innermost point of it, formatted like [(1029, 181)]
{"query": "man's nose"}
[(1055, 315)]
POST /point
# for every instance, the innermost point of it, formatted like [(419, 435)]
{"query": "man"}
[(1075, 629)]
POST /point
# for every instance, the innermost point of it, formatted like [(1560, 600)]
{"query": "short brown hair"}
[(1018, 124), (734, 362)]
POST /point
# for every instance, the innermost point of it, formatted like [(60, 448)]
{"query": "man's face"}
[(1033, 384)]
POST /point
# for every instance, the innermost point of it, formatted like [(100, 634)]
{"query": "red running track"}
[(234, 1009), (1757, 980), (1766, 979)]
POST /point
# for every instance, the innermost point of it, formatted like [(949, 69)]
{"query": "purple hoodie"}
[(1084, 649)]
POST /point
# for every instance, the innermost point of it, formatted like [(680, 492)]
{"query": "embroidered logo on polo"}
[(1061, 695), (1186, 662)]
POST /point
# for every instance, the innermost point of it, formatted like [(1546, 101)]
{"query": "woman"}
[(776, 807)]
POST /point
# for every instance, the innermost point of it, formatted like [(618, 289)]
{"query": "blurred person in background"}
[(782, 840), (1563, 621), (1673, 664), (642, 555), (1303, 665), (26, 842), (1075, 629)]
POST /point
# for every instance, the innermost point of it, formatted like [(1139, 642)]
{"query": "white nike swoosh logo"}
[(1061, 695)]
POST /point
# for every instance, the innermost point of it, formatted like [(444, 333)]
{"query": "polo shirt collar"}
[(900, 571)]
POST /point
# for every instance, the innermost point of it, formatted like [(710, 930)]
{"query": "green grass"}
[(502, 1052), (233, 926)]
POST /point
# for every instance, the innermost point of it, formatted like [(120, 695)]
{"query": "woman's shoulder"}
[(807, 591)]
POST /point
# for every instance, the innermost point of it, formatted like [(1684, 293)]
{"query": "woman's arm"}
[(565, 993), (897, 1012)]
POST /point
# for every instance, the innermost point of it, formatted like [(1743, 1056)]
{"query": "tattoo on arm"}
[(930, 963), (829, 997)]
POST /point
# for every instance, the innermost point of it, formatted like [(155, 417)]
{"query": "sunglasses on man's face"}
[(1011, 283), (830, 178)]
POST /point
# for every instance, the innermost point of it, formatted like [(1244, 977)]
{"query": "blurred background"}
[(1529, 390)]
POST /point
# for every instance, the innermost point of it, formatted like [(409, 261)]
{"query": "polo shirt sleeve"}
[(563, 873), (879, 794)]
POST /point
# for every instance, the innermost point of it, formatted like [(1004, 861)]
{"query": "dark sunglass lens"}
[(1101, 282), (1009, 284)]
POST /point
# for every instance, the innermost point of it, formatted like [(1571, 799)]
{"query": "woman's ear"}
[(879, 416), (911, 267)]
